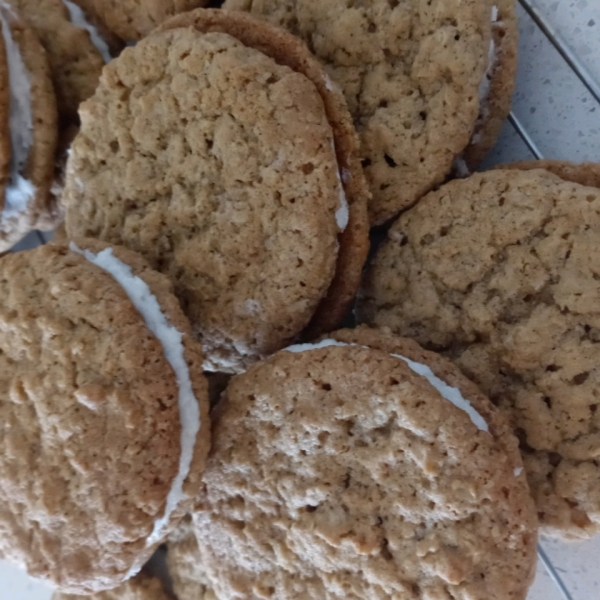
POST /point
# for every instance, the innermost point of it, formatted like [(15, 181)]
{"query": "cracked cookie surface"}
[(500, 273), (219, 167), (91, 430), (338, 472), (410, 72)]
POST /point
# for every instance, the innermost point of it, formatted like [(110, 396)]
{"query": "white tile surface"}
[(577, 565), (543, 587), (510, 148), (577, 23), (16, 585), (557, 109)]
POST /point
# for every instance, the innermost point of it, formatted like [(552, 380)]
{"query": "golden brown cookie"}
[(500, 273), (410, 72), (497, 87), (248, 157), (289, 51), (134, 19), (75, 50), (185, 565), (104, 410), (141, 587), (345, 471), (32, 129)]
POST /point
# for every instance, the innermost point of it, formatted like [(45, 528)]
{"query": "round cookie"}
[(32, 133), (104, 410), (410, 72), (498, 85), (498, 272), (263, 185), (141, 587), (75, 50), (339, 471), (289, 51), (134, 19), (185, 565)]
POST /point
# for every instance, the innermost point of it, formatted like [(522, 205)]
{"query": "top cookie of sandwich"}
[(104, 413), (411, 73), (134, 19), (363, 467), (500, 272), (220, 167)]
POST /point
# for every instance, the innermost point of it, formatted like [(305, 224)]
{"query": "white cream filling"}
[(171, 340), (297, 348), (79, 20), (342, 214), (451, 394), (329, 83), (518, 471), (19, 191)]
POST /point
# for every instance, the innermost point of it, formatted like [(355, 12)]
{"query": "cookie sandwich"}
[(363, 467), (104, 414), (499, 273), (232, 167), (28, 132), (411, 73)]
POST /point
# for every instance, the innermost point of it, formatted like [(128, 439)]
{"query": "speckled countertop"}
[(555, 115)]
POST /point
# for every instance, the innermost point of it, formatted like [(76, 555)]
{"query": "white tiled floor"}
[(562, 118), (15, 585)]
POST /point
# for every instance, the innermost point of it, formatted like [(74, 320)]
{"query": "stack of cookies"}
[(218, 172)]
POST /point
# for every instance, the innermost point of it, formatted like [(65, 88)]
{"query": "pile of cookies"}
[(215, 174)]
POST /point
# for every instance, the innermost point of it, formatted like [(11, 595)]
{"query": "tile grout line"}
[(563, 48), (553, 573), (524, 135)]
